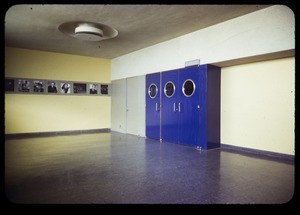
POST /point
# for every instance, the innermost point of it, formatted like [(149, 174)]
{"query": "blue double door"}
[(179, 110)]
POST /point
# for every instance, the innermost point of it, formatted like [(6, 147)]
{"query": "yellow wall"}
[(43, 113), (258, 105)]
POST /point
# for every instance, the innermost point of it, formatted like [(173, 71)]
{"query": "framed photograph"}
[(23, 85), (93, 88), (38, 86), (104, 89), (79, 88), (52, 87), (65, 88), (9, 85)]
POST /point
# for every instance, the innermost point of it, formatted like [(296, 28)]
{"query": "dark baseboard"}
[(55, 133), (258, 152)]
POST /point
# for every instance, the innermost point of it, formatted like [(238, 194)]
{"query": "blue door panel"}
[(203, 107), (189, 107), (169, 120), (153, 107)]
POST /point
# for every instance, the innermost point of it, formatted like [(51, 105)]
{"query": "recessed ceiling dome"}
[(88, 31)]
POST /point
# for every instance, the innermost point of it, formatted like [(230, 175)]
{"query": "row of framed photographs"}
[(38, 86)]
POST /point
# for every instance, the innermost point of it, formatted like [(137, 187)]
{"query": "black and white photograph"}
[(52, 87), (23, 85), (104, 89), (38, 86), (79, 88), (9, 85), (93, 89), (65, 88)]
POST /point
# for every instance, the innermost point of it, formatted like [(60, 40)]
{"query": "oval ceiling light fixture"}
[(88, 31)]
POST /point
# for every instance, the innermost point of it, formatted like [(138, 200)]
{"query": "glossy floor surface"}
[(114, 168)]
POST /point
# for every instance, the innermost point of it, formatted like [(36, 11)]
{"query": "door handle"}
[(156, 106), (174, 106), (179, 107)]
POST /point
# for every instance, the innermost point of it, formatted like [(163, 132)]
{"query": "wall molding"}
[(258, 152), (55, 133)]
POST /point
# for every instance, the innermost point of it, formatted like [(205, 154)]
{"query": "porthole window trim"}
[(184, 87), (165, 90), (149, 91)]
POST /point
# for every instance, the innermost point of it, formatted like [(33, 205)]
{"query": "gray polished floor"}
[(114, 168)]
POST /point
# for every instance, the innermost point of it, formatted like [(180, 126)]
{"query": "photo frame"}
[(104, 89), (9, 85), (65, 87), (52, 87), (38, 86), (79, 88), (93, 89), (23, 85)]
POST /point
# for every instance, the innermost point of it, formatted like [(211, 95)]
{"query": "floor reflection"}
[(116, 168)]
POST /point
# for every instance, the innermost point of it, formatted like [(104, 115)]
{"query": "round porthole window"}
[(188, 88), (152, 91), (169, 89)]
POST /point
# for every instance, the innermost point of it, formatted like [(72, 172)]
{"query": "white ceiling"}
[(138, 26)]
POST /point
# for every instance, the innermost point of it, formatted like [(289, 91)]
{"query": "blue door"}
[(183, 106), (169, 120), (153, 106), (192, 107)]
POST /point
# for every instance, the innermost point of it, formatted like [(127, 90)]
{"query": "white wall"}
[(258, 105), (261, 32)]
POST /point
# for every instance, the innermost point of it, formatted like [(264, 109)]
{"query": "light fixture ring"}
[(88, 31)]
